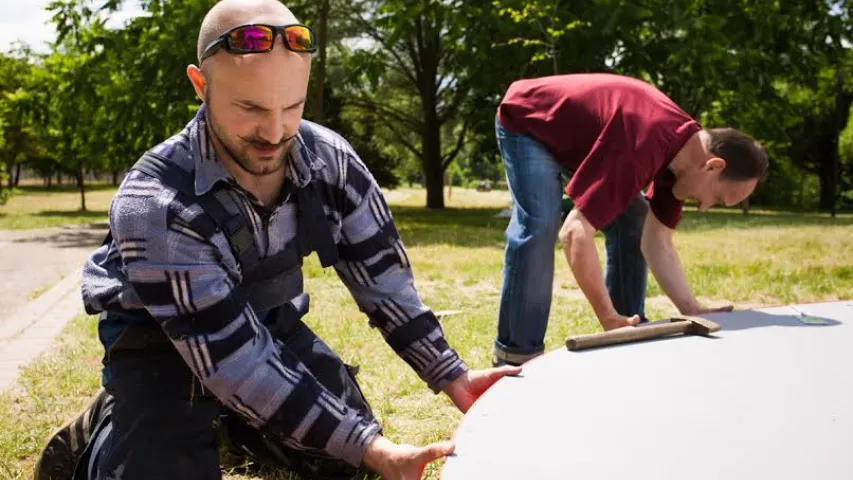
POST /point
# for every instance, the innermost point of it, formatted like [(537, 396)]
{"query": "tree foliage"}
[(414, 84)]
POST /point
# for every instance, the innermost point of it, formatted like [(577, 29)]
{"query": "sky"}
[(27, 20)]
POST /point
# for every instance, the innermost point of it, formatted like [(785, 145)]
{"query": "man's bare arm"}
[(577, 238), (662, 258)]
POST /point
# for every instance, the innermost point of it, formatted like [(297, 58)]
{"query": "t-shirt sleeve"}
[(665, 207), (609, 178)]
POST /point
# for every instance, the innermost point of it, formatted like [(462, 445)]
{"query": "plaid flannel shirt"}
[(168, 257)]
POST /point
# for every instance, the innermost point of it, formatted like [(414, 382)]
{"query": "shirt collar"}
[(209, 171)]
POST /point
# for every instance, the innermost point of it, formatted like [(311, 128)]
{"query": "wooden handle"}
[(624, 335)]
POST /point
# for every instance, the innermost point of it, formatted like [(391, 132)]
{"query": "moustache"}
[(261, 143)]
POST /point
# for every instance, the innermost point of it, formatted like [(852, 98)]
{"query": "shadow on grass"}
[(694, 221), (74, 213), (465, 227), (72, 188), (479, 227)]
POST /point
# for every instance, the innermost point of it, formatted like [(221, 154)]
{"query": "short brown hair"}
[(745, 158)]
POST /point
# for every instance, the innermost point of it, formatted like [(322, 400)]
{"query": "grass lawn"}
[(40, 207), (765, 258)]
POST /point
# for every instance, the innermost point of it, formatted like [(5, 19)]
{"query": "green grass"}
[(40, 207), (50, 390), (765, 258)]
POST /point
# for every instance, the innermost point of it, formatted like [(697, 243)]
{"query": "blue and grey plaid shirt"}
[(168, 257)]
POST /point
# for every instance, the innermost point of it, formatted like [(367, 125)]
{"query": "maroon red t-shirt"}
[(617, 134)]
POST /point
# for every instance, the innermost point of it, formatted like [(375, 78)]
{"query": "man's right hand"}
[(614, 321), (402, 462)]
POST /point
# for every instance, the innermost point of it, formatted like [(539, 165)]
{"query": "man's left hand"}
[(468, 387)]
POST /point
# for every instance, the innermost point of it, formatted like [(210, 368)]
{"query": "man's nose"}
[(273, 129)]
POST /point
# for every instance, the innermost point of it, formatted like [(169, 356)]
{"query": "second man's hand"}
[(614, 321)]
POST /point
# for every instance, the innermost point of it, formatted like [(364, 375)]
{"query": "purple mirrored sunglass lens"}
[(252, 38)]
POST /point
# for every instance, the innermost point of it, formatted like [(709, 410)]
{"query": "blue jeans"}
[(528, 274)]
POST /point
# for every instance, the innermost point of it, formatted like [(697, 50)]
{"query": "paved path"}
[(39, 289), (31, 260)]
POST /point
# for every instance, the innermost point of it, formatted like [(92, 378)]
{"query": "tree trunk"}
[(828, 151), (81, 185), (833, 190), (827, 187), (318, 107), (10, 180), (59, 178), (826, 173), (433, 168), (429, 45), (17, 174), (115, 178), (434, 186), (744, 205), (842, 112), (824, 156)]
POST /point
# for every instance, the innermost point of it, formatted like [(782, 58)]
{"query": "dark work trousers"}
[(165, 425)]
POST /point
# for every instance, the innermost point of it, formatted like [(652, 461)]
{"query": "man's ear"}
[(715, 164), (198, 80)]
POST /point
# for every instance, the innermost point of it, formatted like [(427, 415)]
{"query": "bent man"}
[(614, 136)]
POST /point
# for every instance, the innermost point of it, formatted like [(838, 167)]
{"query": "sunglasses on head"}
[(257, 38)]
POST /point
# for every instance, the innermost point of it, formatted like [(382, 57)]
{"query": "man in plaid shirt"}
[(200, 287)]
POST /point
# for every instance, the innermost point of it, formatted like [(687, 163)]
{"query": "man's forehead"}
[(265, 18), (268, 79), (278, 61)]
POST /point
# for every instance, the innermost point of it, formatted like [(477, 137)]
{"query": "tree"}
[(749, 65), (74, 69), (151, 50), (846, 167), (815, 147), (16, 140), (726, 63), (545, 28), (413, 84), (412, 70), (360, 130)]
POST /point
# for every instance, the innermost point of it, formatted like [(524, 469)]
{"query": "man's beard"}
[(267, 167)]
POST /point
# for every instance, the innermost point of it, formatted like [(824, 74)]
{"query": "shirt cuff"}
[(351, 438), (443, 370)]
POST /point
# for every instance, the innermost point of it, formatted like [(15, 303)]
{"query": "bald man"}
[(200, 292)]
